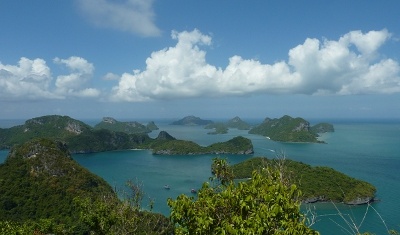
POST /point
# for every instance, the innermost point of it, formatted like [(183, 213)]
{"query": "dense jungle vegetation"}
[(316, 183)]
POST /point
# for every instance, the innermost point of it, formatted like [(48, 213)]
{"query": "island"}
[(322, 128), (82, 138), (289, 129), (238, 123), (192, 121), (317, 184), (222, 128), (165, 144), (218, 127), (111, 124)]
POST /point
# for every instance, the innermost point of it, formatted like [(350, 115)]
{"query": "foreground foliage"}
[(42, 226), (265, 205), (110, 216)]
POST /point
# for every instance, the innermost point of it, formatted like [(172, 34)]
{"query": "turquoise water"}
[(364, 150)]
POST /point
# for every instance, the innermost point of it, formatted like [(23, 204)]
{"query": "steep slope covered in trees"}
[(316, 183), (39, 180), (44, 191)]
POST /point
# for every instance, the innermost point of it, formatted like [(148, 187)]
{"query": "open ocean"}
[(364, 149)]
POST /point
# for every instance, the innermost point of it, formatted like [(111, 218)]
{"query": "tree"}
[(109, 215), (266, 204)]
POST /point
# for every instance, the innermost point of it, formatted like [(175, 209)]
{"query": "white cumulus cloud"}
[(32, 80), (135, 16), (75, 83), (29, 79), (349, 65), (335, 67)]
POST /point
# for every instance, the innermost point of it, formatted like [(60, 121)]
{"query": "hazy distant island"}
[(316, 183), (222, 128), (192, 121), (165, 144), (111, 124), (238, 123), (217, 127), (82, 138), (284, 129), (322, 128), (289, 129)]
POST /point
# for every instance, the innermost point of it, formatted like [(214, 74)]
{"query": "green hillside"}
[(44, 191), (79, 137), (52, 126), (316, 183), (40, 180)]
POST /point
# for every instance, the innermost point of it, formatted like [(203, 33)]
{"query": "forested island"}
[(82, 138), (191, 121), (165, 144), (289, 129), (217, 127), (316, 183), (222, 128)]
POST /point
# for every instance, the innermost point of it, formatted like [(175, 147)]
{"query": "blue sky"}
[(139, 59)]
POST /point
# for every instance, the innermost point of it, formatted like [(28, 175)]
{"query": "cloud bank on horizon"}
[(350, 65)]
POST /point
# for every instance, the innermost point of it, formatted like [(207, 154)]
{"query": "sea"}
[(368, 150)]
